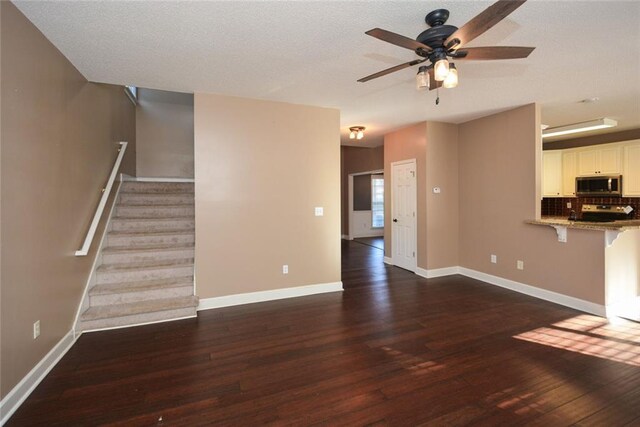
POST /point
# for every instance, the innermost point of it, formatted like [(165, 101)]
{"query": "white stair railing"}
[(103, 202)]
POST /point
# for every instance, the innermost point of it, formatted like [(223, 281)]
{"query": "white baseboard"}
[(628, 309), (345, 237), (373, 233), (275, 294), (567, 301), (23, 389), (388, 260), (437, 272), (154, 179)]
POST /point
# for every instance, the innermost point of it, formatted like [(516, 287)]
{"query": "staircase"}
[(146, 269)]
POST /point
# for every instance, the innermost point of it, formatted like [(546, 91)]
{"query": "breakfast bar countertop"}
[(622, 225)]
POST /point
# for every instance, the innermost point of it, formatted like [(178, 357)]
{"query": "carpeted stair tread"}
[(157, 193), (151, 218), (166, 205), (150, 233), (132, 309), (146, 265), (147, 248), (112, 288)]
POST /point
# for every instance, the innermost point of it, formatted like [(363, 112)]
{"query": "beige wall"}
[(355, 160), (59, 140), (499, 190), (404, 144), (257, 183), (164, 134), (442, 209)]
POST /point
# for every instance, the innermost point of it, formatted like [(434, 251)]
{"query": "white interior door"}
[(403, 214)]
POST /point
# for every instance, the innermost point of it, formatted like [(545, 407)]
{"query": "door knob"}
[(395, 220)]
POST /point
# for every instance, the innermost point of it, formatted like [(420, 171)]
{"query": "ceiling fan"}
[(441, 41)]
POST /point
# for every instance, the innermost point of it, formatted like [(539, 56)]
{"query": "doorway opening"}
[(366, 204)]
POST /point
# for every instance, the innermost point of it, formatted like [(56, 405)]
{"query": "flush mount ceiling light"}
[(580, 127), (356, 132)]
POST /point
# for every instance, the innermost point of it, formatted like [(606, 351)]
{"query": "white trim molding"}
[(437, 272), (567, 301), (23, 389), (275, 294), (388, 260), (557, 298)]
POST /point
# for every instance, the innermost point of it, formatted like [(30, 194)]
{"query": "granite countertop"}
[(623, 225)]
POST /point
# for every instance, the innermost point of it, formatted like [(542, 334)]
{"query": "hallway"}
[(392, 349)]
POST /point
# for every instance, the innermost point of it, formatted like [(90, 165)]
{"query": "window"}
[(377, 201)]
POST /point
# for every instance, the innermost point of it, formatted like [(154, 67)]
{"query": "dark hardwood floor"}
[(376, 242), (392, 349)]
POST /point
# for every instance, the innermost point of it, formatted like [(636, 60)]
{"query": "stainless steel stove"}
[(603, 213)]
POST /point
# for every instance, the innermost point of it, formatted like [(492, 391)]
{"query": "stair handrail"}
[(84, 250)]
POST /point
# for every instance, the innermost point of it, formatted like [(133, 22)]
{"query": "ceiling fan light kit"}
[(441, 41), (356, 132), (441, 69), (602, 123), (451, 80), (422, 78)]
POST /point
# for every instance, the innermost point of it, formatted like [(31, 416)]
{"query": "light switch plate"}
[(436, 190), (319, 211)]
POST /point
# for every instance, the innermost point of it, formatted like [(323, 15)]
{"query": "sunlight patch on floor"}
[(591, 335), (518, 404), (417, 365)]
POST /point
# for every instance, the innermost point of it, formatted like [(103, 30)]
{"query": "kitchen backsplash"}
[(557, 206)]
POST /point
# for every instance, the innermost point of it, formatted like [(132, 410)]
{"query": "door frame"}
[(415, 218), (350, 196)]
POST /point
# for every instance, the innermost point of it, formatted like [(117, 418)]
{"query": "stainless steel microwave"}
[(605, 186)]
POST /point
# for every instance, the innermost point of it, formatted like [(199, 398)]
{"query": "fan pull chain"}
[(437, 95)]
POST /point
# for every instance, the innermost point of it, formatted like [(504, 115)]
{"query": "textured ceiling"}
[(313, 53)]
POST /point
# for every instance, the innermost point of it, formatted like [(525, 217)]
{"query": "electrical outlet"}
[(520, 265), (36, 329), (494, 259), (568, 205), (285, 269), (319, 211)]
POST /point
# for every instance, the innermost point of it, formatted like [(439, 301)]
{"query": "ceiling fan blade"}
[(397, 39), (391, 70), (494, 52), (483, 21), (433, 83)]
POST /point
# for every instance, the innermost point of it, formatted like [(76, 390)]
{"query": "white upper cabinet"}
[(600, 161), (631, 170), (552, 173), (569, 173)]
